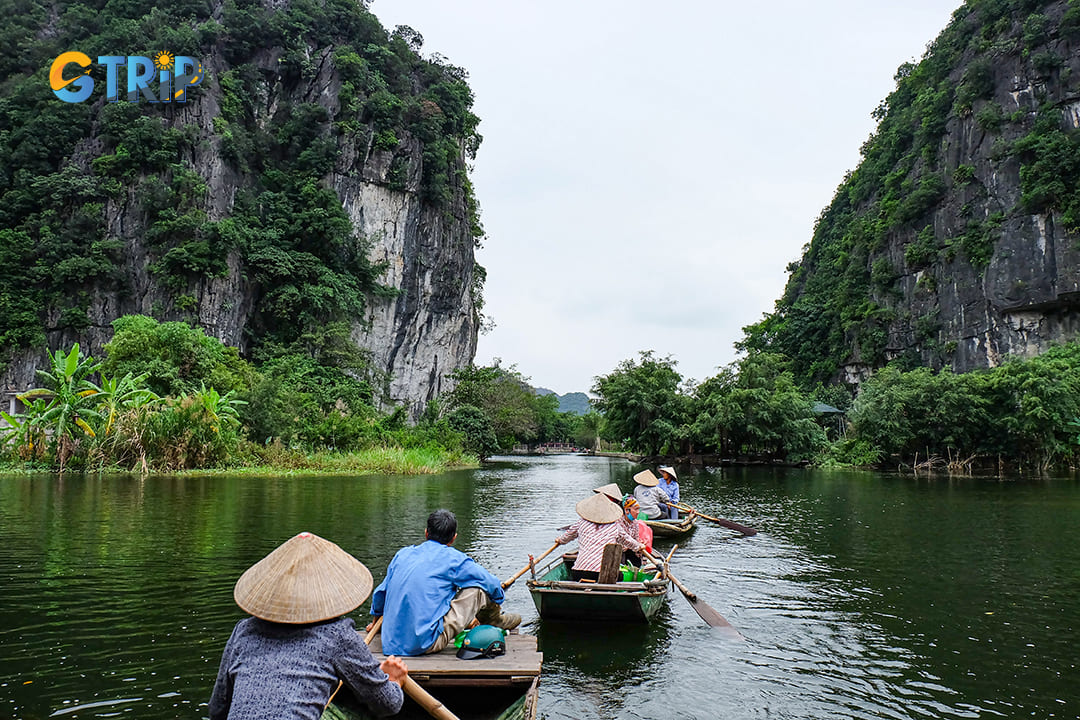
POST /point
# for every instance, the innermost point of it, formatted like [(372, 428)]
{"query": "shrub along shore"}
[(168, 399), (1023, 414)]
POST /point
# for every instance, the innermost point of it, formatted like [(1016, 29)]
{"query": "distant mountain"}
[(577, 402)]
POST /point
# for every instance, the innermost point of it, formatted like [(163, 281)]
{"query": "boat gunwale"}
[(659, 592), (644, 588), (652, 587), (673, 529)]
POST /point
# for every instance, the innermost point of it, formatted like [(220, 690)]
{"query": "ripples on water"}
[(863, 596)]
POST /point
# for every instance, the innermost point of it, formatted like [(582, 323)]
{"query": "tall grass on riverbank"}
[(271, 460), (388, 460)]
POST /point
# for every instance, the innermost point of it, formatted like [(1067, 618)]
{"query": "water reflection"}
[(863, 596)]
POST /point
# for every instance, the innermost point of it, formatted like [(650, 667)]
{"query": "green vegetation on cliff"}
[(913, 215), (270, 108)]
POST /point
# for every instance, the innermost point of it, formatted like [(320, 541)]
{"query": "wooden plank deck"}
[(519, 666)]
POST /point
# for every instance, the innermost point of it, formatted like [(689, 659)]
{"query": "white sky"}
[(648, 170)]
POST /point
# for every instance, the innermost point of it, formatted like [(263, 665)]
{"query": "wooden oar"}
[(522, 571), (421, 696), (668, 558), (702, 608), (719, 521)]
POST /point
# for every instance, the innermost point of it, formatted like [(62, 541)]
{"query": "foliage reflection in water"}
[(863, 596)]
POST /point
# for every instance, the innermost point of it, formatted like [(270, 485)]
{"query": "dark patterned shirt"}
[(288, 672)]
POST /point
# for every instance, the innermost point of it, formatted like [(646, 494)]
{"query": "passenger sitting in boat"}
[(432, 592), (599, 526), (630, 509), (653, 500), (669, 483), (286, 660), (644, 533)]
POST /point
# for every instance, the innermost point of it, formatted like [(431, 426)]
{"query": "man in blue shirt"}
[(432, 592)]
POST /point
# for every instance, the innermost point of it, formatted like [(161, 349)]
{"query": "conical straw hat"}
[(598, 509), (669, 470), (646, 478), (611, 490), (306, 579)]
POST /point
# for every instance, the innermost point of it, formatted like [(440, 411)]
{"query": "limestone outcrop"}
[(423, 321)]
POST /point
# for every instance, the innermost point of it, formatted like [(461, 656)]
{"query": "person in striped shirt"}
[(597, 528), (634, 527)]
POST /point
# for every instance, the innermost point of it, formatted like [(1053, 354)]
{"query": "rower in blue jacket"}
[(432, 592)]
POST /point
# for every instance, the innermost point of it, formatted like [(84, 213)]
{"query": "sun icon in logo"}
[(163, 60)]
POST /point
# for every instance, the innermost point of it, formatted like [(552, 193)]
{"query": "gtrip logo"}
[(175, 75)]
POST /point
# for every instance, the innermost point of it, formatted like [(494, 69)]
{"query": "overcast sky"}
[(648, 170)]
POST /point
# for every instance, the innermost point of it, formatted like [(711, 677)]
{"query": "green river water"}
[(862, 596)]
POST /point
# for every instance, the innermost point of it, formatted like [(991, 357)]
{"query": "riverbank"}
[(273, 460), (702, 461)]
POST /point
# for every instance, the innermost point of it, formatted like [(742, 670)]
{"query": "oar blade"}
[(713, 618), (737, 527), (705, 611), (719, 521)]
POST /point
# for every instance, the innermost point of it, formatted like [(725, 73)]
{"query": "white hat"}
[(306, 579), (599, 509), (669, 470), (646, 478)]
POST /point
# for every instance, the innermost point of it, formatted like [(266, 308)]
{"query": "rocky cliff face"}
[(430, 328), (956, 242), (1025, 297), (423, 321)]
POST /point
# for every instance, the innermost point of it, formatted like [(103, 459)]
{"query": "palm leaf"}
[(72, 360), (85, 427), (35, 393)]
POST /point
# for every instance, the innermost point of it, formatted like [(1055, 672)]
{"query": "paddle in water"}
[(719, 521), (702, 608)]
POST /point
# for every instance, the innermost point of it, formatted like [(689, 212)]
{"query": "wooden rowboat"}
[(673, 528), (500, 688), (559, 597)]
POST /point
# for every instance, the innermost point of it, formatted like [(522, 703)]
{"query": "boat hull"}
[(673, 528), (478, 703), (504, 687), (558, 597)]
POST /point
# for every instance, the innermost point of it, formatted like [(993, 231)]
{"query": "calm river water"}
[(863, 595)]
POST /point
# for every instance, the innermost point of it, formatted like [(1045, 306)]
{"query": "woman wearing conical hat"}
[(597, 527), (284, 662), (630, 509), (653, 500)]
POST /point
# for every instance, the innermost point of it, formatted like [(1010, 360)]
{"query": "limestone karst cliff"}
[(955, 241), (315, 179)]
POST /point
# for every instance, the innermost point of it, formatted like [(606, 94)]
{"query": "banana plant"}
[(71, 405), (220, 408), (118, 394), (24, 431)]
